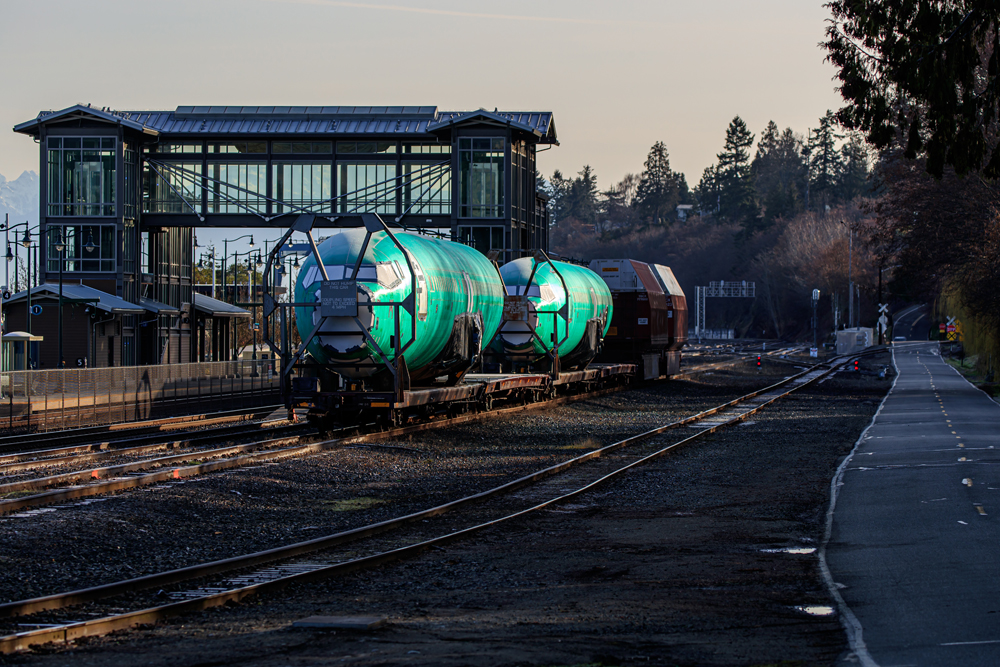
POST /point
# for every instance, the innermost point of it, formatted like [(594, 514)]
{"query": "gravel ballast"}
[(678, 563)]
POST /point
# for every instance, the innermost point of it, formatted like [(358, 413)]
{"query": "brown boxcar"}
[(649, 319)]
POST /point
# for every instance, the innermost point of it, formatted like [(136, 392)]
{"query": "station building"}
[(122, 192)]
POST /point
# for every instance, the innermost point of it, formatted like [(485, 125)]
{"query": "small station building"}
[(122, 193)]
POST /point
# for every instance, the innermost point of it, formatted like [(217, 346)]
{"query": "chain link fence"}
[(46, 400)]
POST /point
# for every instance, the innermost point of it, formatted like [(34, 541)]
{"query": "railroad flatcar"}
[(393, 323), (555, 317), (649, 325), (427, 301)]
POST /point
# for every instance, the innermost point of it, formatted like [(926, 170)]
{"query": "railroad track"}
[(295, 441), (106, 435), (39, 460), (216, 583)]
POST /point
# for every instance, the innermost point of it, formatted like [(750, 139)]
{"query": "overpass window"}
[(237, 147), (480, 177), (366, 188), (176, 147), (101, 258), (426, 189), (237, 188), (81, 173), (424, 149), (301, 147), (169, 188), (298, 185), (366, 147)]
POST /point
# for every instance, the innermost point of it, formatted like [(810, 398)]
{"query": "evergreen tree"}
[(658, 196), (558, 194), (619, 210), (852, 180), (737, 199), (923, 74), (824, 162), (707, 194), (684, 195), (581, 200), (779, 172)]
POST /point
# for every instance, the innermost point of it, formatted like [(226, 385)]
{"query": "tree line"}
[(787, 175), (777, 210), (920, 82)]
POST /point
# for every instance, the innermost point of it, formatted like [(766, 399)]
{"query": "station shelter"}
[(19, 348), (122, 193), (215, 327), (92, 324)]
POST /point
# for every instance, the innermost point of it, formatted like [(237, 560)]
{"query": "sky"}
[(617, 76)]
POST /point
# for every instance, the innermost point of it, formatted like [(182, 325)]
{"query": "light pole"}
[(211, 258), (60, 247), (10, 256), (225, 255), (6, 237), (27, 243), (850, 281), (251, 292), (815, 302)]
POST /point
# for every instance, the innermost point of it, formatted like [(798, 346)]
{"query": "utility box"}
[(854, 340)]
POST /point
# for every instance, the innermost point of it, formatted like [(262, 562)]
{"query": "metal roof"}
[(82, 293), (520, 121), (216, 308), (21, 335), (80, 111), (158, 307), (301, 120)]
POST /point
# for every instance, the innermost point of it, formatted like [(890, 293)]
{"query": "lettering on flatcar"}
[(338, 298), (515, 308)]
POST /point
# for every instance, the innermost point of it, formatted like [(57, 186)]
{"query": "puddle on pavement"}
[(815, 610)]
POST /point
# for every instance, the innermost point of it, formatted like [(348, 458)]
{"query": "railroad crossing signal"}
[(883, 321), (855, 364), (952, 329)]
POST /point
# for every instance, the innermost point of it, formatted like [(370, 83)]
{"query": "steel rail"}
[(120, 484), (129, 447), (78, 476), (96, 627), (129, 428)]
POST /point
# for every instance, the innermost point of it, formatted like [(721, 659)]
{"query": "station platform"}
[(44, 400), (913, 546)]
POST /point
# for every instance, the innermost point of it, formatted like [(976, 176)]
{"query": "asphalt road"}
[(912, 322), (915, 533)]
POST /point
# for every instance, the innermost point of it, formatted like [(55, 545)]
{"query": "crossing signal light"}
[(758, 361)]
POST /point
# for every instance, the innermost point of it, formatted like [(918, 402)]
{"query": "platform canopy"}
[(158, 307), (75, 293), (206, 305)]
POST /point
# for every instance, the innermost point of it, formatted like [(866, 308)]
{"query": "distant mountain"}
[(19, 198)]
